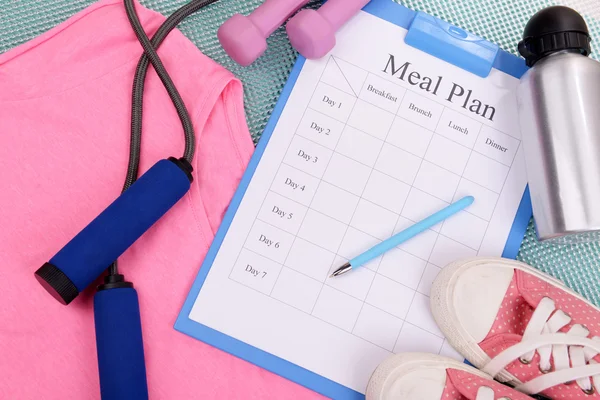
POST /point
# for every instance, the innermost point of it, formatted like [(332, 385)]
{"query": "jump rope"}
[(143, 201)]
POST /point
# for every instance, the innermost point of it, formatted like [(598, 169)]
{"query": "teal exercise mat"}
[(500, 21)]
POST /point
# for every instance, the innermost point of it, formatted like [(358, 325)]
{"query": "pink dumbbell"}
[(245, 38), (312, 32)]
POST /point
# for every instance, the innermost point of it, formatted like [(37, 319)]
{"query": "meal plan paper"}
[(374, 137)]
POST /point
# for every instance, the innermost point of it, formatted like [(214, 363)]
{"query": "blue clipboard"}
[(429, 34)]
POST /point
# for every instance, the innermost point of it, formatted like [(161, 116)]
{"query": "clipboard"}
[(428, 34)]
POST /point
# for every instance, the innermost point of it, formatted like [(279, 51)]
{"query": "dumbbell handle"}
[(338, 12), (271, 14)]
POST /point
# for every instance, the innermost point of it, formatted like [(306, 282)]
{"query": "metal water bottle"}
[(559, 113)]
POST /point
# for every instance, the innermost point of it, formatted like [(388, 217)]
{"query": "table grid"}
[(369, 158)]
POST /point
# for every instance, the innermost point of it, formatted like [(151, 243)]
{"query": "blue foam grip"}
[(119, 344), (100, 243)]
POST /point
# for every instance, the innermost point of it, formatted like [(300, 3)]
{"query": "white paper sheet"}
[(374, 136)]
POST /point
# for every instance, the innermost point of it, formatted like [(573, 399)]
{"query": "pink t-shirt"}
[(64, 139)]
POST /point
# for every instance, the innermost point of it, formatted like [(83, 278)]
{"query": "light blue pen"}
[(405, 235)]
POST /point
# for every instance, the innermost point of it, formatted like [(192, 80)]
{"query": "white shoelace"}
[(486, 393), (571, 352)]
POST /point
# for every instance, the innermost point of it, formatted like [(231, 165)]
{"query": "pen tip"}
[(341, 270)]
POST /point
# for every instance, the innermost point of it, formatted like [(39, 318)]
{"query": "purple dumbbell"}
[(312, 32), (245, 38)]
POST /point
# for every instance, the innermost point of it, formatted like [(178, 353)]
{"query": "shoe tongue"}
[(522, 298), (531, 288), (516, 309)]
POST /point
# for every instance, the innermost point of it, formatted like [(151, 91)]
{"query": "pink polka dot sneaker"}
[(416, 376), (520, 326)]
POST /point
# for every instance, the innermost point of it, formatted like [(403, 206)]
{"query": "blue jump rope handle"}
[(119, 344), (88, 254)]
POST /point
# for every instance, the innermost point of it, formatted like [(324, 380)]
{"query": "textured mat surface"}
[(501, 21)]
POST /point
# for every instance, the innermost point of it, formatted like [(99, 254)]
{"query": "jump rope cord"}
[(150, 56)]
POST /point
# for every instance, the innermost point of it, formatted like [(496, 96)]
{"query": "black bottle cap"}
[(57, 283), (184, 165), (554, 29)]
